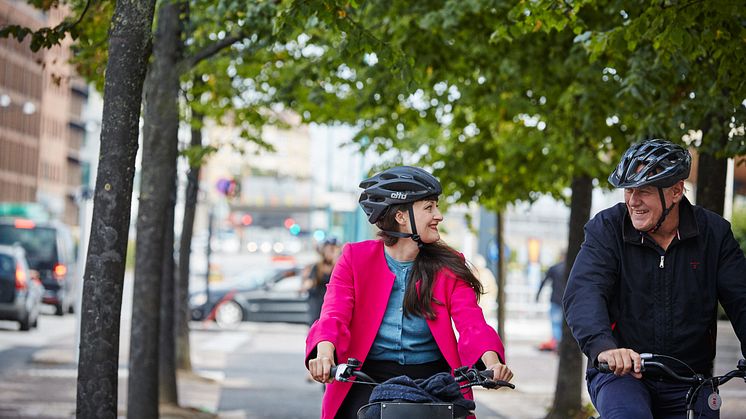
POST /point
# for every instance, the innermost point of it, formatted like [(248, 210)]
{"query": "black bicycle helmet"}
[(396, 186), (658, 163)]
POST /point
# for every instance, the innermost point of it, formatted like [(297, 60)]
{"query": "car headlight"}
[(198, 300)]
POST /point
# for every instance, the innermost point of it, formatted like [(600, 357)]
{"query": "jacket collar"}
[(687, 224), (381, 268)]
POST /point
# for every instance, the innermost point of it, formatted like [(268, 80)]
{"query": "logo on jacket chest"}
[(694, 264)]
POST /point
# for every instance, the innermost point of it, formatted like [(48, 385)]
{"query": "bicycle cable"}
[(694, 373)]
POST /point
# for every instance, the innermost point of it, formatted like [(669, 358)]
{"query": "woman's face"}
[(427, 217)]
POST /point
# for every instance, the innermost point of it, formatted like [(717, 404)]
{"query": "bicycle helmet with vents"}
[(397, 186), (658, 163)]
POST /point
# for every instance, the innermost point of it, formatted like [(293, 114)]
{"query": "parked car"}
[(20, 291), (50, 251), (227, 302), (279, 301)]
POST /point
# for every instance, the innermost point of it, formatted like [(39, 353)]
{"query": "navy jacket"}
[(625, 291)]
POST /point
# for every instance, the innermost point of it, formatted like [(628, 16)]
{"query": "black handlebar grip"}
[(490, 374), (604, 367), (501, 383)]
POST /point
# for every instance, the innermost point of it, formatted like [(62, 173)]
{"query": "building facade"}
[(41, 103)]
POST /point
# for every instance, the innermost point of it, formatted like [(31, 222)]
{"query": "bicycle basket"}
[(398, 410)]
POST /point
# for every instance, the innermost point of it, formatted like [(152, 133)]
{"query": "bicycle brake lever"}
[(343, 373)]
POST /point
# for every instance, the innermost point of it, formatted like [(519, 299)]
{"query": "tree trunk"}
[(167, 393), (500, 276), (129, 49), (567, 393), (183, 358), (711, 170), (160, 150), (711, 175)]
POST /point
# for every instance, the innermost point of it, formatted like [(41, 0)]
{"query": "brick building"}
[(41, 132)]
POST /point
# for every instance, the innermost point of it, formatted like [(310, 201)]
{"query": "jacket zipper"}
[(662, 259)]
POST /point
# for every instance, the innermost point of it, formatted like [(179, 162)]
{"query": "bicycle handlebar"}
[(645, 363), (343, 373), (697, 381), (474, 377), (471, 376)]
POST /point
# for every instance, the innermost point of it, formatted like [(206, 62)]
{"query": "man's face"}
[(644, 206)]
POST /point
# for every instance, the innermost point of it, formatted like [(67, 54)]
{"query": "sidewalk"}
[(46, 389)]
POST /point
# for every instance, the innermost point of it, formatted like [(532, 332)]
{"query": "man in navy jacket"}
[(648, 279)]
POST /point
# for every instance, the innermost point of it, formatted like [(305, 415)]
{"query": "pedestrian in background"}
[(556, 279), (392, 303), (318, 277)]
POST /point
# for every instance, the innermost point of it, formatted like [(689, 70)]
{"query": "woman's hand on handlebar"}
[(500, 372), (321, 366), (622, 361)]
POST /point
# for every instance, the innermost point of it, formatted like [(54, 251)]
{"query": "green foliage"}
[(196, 155), (506, 100), (45, 37), (681, 63), (499, 114), (738, 224)]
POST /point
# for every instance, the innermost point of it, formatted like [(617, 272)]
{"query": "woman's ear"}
[(401, 218)]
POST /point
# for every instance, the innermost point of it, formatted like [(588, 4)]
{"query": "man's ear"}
[(678, 190)]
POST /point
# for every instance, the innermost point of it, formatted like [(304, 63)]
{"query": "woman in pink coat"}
[(393, 303)]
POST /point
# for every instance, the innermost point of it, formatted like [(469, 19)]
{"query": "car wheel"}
[(228, 314), (25, 322), (58, 310)]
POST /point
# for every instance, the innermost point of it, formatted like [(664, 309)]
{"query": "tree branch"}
[(80, 18), (212, 49), (44, 37)]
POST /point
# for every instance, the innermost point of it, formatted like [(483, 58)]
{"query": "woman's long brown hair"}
[(432, 258)]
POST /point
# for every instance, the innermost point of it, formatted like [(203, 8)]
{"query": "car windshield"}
[(39, 243)]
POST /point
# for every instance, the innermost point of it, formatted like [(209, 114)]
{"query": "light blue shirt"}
[(405, 339)]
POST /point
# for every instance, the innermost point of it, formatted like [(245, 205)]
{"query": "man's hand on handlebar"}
[(321, 366), (622, 361)]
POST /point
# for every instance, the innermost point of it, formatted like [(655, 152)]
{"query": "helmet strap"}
[(665, 211), (413, 235)]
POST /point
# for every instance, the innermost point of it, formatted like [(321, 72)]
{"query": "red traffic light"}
[(247, 219), (288, 222)]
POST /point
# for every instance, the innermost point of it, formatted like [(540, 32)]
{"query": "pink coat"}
[(356, 300)]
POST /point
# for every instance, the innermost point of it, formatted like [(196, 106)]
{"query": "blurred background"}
[(270, 146)]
